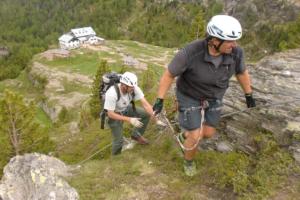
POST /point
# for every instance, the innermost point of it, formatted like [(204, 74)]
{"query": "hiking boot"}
[(140, 139), (189, 168), (128, 144)]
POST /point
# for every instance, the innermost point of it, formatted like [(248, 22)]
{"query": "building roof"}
[(99, 38), (66, 37), (81, 32), (82, 39)]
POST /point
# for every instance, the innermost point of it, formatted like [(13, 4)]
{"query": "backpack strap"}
[(132, 102), (118, 91), (119, 96)]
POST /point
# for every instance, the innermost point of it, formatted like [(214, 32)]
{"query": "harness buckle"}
[(204, 104)]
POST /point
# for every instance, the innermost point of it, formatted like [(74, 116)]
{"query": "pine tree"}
[(95, 104), (147, 80), (18, 125), (85, 119), (197, 30), (6, 150)]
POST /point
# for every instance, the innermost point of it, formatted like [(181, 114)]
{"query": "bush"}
[(227, 170), (62, 116), (250, 177), (85, 119), (94, 103)]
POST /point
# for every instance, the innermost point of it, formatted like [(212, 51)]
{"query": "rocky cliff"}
[(276, 84)]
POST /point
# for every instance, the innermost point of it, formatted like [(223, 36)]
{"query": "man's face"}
[(126, 88), (129, 89), (227, 46)]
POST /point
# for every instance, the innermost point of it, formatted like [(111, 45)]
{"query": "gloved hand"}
[(157, 107), (136, 122), (250, 100)]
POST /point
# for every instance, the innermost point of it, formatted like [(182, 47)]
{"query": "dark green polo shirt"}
[(198, 77)]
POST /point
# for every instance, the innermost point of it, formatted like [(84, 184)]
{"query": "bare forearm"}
[(165, 83), (245, 82), (116, 116), (148, 108)]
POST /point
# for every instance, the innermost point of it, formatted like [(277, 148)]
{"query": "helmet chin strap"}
[(217, 48)]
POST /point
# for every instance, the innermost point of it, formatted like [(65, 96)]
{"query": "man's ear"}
[(215, 40)]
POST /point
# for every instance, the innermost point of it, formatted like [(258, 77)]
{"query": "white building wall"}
[(78, 37)]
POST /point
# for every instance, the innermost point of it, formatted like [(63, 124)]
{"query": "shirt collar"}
[(227, 58)]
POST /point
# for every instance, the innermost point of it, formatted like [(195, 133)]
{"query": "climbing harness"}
[(203, 105), (177, 137), (202, 110)]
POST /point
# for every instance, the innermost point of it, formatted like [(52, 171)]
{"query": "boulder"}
[(36, 176)]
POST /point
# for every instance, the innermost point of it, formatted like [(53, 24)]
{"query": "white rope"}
[(100, 150), (225, 115), (177, 137), (260, 106)]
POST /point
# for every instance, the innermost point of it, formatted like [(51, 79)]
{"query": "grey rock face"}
[(263, 10), (276, 84), (224, 146), (36, 177)]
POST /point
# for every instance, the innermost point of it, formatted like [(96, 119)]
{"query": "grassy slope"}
[(153, 172), (22, 85)]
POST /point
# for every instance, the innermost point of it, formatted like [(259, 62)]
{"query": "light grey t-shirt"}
[(216, 60), (111, 99)]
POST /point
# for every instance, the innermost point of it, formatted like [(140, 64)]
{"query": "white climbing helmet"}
[(224, 27), (129, 79)]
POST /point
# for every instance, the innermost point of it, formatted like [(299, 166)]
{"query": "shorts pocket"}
[(189, 120)]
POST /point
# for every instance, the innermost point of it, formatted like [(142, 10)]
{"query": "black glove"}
[(157, 107), (250, 100)]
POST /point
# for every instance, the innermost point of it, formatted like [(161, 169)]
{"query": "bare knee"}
[(193, 137), (208, 131)]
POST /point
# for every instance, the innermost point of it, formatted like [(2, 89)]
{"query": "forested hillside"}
[(30, 26)]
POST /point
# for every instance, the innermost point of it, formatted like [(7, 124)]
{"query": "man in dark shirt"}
[(204, 68)]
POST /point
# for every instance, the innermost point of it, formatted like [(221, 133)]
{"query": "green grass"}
[(74, 87), (140, 50), (118, 177), (2, 86), (75, 148), (43, 118), (155, 171), (249, 177), (21, 85), (86, 61)]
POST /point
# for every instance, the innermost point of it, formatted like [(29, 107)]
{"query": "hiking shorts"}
[(190, 119)]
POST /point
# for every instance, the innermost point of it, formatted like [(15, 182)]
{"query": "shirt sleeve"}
[(240, 63), (138, 94), (179, 63), (110, 99)]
